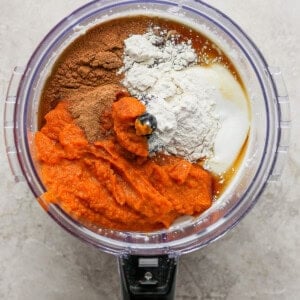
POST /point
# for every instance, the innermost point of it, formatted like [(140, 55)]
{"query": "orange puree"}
[(125, 112), (113, 183)]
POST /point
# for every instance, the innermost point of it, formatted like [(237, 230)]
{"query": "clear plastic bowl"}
[(264, 156)]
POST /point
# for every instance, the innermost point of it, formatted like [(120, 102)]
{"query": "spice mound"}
[(112, 182)]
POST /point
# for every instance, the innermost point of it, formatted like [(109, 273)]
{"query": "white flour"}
[(161, 74)]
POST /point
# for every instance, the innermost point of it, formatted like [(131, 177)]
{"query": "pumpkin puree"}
[(113, 183)]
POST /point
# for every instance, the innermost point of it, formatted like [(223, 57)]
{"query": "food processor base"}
[(148, 277)]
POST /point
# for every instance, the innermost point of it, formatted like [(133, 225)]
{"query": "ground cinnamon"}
[(91, 62), (92, 110)]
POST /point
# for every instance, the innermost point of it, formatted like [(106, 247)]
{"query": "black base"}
[(148, 277)]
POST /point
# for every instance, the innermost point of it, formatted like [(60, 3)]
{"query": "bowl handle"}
[(148, 277), (10, 123), (283, 104)]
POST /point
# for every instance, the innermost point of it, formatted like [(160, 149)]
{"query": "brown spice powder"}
[(86, 75), (92, 110)]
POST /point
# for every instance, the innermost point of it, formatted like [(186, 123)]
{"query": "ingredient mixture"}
[(133, 120), (101, 184)]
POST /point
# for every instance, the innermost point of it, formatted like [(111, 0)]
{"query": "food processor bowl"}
[(263, 160)]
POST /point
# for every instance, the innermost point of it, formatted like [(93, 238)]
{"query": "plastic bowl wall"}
[(261, 152)]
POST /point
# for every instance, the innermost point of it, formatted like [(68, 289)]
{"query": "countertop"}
[(259, 259)]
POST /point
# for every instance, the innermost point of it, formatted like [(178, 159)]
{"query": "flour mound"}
[(160, 73), (201, 111)]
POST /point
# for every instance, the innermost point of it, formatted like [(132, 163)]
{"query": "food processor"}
[(148, 261)]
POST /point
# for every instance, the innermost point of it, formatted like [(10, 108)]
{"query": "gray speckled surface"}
[(260, 259)]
